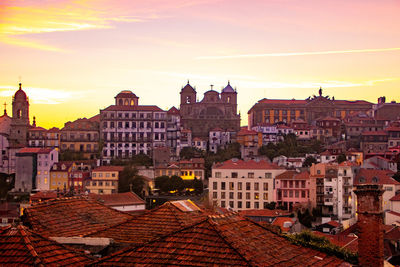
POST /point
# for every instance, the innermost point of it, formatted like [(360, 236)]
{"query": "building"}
[(20, 118), (81, 136), (80, 175), (310, 109), (59, 175), (174, 131), (200, 143), (393, 136), (374, 142), (219, 138), (186, 169), (292, 189), (33, 168), (40, 137), (250, 141), (127, 202), (386, 111), (215, 110), (241, 185), (128, 129), (104, 180)]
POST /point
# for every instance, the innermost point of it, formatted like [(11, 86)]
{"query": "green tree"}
[(190, 152), (309, 161), (128, 178), (198, 186), (177, 183)]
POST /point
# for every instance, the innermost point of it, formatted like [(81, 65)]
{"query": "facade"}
[(80, 175), (174, 131), (59, 174), (374, 142), (128, 128), (81, 136), (104, 180), (186, 169), (310, 109), (243, 185), (292, 189), (250, 141), (386, 111), (216, 110), (219, 138), (40, 137), (200, 143)]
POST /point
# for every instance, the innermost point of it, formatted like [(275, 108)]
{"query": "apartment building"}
[(128, 128), (292, 189), (243, 185), (104, 180), (219, 138)]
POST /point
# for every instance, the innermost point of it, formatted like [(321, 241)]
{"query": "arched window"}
[(120, 102), (19, 113), (375, 179), (361, 179), (126, 102), (188, 100), (132, 102), (228, 99)]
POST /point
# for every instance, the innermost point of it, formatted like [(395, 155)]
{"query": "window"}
[(239, 195), (265, 196), (256, 195), (247, 186), (223, 195), (256, 205), (222, 185), (268, 175), (231, 205), (217, 174), (231, 186), (234, 175), (215, 195), (239, 204), (256, 186), (215, 185), (247, 195), (250, 175), (222, 204), (265, 186), (247, 204), (240, 186)]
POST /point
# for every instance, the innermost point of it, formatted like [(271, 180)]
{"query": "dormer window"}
[(375, 179), (361, 179)]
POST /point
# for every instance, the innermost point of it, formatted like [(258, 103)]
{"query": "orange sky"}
[(73, 57)]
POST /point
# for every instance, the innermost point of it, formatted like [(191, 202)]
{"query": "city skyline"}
[(73, 57)]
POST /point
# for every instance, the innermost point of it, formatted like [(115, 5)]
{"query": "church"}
[(215, 110)]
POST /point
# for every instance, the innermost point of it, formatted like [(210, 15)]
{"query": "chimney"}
[(370, 221)]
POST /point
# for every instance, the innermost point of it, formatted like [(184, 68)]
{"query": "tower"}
[(188, 97), (20, 118), (229, 96)]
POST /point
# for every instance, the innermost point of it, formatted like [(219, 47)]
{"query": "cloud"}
[(41, 95), (301, 53)]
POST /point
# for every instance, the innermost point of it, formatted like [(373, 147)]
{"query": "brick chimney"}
[(370, 221)]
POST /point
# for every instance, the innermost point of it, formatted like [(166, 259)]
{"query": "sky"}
[(74, 56)]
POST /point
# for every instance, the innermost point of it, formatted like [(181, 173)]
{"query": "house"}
[(127, 202), (200, 143), (104, 180), (292, 189), (9, 213), (59, 175), (242, 185), (380, 163)]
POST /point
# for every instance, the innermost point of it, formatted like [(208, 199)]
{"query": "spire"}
[(5, 108), (188, 81), (20, 86), (34, 121)]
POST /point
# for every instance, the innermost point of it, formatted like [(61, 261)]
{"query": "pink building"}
[(292, 188)]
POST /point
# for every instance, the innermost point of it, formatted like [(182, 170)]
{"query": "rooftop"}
[(367, 176), (118, 199), (251, 165)]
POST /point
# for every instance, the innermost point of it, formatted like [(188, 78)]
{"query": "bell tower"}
[(20, 118)]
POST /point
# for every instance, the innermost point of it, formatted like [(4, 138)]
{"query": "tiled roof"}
[(119, 199), (282, 101), (293, 175), (280, 221), (95, 118), (173, 111), (246, 132), (251, 165), (333, 223), (35, 150), (153, 224), (264, 213), (109, 169), (66, 217), (53, 130), (223, 240), (395, 198), (348, 163), (374, 133), (132, 108), (37, 129), (366, 176), (392, 129), (44, 195), (21, 247)]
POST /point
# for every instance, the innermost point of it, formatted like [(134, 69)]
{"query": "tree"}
[(198, 186), (190, 152), (177, 183), (309, 161), (341, 158), (129, 178)]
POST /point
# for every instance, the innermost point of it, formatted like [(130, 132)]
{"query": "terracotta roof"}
[(366, 176), (37, 129), (155, 223), (53, 130), (119, 199), (280, 221), (348, 163), (126, 94), (392, 129), (95, 118), (395, 198), (264, 213), (374, 133), (246, 132), (221, 240), (328, 119), (282, 101), (293, 175), (108, 168), (173, 111), (333, 223), (43, 195), (34, 150), (251, 165), (66, 217), (132, 108), (20, 246)]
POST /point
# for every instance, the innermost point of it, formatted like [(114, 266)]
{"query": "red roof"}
[(109, 169), (294, 175), (34, 150), (173, 111), (221, 240), (246, 132), (119, 199), (392, 129), (282, 101), (251, 165), (367, 176), (95, 118), (264, 213), (68, 217), (395, 198), (374, 133), (44, 195), (53, 130), (132, 108), (153, 224), (280, 221), (20, 246), (333, 223), (37, 129), (348, 163)]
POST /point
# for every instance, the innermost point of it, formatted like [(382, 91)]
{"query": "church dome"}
[(20, 94), (228, 89), (126, 94)]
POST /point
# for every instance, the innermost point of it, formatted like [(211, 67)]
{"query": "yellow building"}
[(104, 180), (59, 174), (81, 136)]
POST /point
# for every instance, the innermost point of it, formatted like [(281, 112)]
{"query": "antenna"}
[(211, 85)]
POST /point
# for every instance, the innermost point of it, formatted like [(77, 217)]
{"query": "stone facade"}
[(216, 110), (20, 118)]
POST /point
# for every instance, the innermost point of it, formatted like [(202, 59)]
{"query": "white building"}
[(269, 132), (346, 208), (219, 138), (200, 143), (243, 185), (129, 129), (173, 131)]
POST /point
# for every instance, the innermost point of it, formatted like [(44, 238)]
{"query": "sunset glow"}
[(73, 57)]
